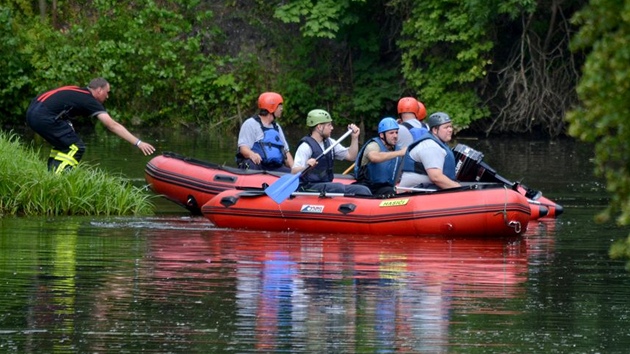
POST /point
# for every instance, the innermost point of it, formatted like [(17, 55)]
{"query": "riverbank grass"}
[(27, 188)]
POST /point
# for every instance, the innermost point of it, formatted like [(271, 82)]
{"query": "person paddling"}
[(320, 177)]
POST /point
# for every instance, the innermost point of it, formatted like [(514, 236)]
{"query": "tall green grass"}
[(27, 188)]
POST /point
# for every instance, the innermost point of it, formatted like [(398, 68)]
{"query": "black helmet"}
[(438, 118)]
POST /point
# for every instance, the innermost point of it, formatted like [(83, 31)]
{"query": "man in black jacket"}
[(49, 115)]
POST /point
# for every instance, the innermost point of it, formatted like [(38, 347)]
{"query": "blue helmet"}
[(387, 124)]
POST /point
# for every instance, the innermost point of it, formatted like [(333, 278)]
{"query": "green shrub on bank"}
[(27, 188)]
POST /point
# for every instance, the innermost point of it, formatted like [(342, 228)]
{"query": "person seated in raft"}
[(411, 114), (319, 177), (379, 162), (261, 142), (429, 162)]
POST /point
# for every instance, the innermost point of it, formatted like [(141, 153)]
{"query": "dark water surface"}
[(172, 283)]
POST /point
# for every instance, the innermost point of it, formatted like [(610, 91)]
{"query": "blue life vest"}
[(416, 133), (410, 165), (377, 174), (323, 171), (271, 147)]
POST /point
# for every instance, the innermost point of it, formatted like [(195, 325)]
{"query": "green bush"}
[(27, 188), (15, 71), (154, 54)]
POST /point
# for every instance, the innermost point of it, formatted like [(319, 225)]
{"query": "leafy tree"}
[(531, 83), (446, 52), (152, 52), (322, 19), (604, 91), (503, 65), (500, 62), (15, 69), (137, 46), (347, 59)]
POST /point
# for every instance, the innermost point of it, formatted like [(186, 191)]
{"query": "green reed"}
[(27, 188)]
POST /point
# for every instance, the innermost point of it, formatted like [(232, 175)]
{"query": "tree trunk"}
[(42, 10)]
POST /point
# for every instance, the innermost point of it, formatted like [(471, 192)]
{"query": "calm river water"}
[(172, 283)]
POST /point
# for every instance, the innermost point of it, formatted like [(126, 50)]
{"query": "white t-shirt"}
[(251, 132), (304, 152), (431, 155), (404, 135)]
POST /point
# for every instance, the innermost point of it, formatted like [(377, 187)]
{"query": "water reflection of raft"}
[(191, 183), (484, 210), (468, 267)]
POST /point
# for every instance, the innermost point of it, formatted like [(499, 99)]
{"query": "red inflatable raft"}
[(475, 211), (191, 183)]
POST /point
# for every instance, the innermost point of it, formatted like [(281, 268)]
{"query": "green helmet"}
[(437, 119), (317, 116)]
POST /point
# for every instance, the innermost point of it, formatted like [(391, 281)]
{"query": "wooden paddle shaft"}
[(349, 168)]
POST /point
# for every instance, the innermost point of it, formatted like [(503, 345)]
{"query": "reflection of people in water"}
[(388, 297), (275, 310), (390, 283), (266, 294), (247, 292), (408, 305), (430, 319)]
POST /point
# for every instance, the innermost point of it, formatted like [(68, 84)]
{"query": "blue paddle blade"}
[(282, 189)]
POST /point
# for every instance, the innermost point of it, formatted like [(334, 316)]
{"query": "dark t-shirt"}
[(69, 102)]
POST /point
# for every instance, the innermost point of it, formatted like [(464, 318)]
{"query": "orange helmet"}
[(422, 111), (269, 101), (408, 105)]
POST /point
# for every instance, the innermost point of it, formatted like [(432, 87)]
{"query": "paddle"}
[(485, 173), (282, 189), (529, 193), (349, 169), (414, 189)]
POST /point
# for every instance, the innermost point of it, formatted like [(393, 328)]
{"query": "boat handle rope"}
[(514, 224)]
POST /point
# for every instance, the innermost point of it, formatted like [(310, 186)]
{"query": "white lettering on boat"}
[(307, 208)]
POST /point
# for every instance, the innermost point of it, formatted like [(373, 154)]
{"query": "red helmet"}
[(408, 105), (422, 111), (269, 101)]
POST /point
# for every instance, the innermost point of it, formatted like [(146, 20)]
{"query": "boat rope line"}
[(513, 224), (516, 225)]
